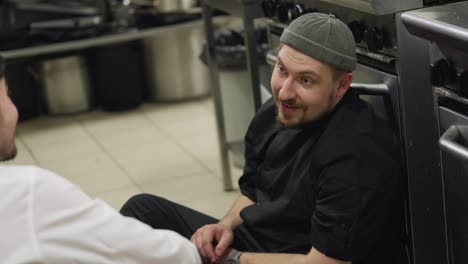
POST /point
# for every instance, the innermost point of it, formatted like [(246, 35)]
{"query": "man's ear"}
[(343, 84)]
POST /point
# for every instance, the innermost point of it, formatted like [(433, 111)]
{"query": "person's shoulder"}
[(31, 174), (356, 118), (356, 129), (19, 173)]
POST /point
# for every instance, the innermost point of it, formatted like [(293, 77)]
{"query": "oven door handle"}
[(447, 143), (370, 88)]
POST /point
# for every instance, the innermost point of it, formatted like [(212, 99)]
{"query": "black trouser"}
[(161, 213)]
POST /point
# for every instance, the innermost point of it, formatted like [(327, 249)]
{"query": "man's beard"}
[(301, 121), (293, 125)]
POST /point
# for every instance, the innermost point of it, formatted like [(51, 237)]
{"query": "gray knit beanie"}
[(324, 38)]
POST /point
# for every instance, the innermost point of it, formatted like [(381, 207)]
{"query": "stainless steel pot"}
[(173, 68), (173, 5), (66, 85)]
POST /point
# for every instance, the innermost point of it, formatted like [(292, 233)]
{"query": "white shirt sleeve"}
[(71, 227)]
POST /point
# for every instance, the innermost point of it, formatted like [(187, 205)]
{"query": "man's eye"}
[(307, 81), (281, 69)]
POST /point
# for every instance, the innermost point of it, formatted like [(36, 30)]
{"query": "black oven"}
[(446, 27)]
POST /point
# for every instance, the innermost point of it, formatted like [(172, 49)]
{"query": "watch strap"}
[(234, 257)]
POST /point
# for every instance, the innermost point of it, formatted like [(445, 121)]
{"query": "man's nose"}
[(287, 91)]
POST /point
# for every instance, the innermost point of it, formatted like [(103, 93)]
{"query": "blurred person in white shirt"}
[(46, 219)]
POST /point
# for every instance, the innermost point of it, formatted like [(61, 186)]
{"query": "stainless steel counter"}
[(447, 24), (129, 35)]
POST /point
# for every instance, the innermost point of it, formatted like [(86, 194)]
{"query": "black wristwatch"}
[(234, 257)]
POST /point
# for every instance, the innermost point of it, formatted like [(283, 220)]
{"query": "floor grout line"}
[(28, 148), (101, 146), (184, 148), (201, 163)]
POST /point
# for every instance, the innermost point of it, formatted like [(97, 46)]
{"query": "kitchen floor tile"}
[(117, 198), (128, 138), (196, 125), (169, 149), (236, 172), (204, 147), (24, 156), (156, 161), (162, 113), (66, 151), (103, 123), (209, 104), (50, 132), (93, 173)]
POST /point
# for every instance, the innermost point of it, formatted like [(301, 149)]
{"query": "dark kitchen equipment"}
[(23, 88), (117, 75), (27, 23), (21, 13), (446, 30)]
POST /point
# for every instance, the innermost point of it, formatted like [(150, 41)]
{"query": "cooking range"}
[(446, 27), (389, 75)]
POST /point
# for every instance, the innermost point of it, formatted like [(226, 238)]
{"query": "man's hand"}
[(212, 241)]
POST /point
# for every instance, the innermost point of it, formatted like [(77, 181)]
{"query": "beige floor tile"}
[(196, 125), (47, 122), (66, 151), (103, 181), (209, 104), (203, 146), (50, 132), (169, 149), (93, 173), (23, 157), (128, 138), (102, 123), (156, 161), (163, 113), (216, 205), (117, 198), (184, 189), (236, 173), (194, 143)]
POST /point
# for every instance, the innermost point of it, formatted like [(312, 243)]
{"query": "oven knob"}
[(295, 11), (283, 11), (442, 73), (374, 39), (269, 7), (462, 83), (357, 28)]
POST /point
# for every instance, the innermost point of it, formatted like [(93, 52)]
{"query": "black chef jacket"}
[(332, 184)]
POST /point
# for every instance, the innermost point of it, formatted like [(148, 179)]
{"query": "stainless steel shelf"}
[(248, 10), (114, 38)]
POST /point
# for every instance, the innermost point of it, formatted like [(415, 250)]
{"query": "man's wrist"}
[(227, 222), (234, 257)]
